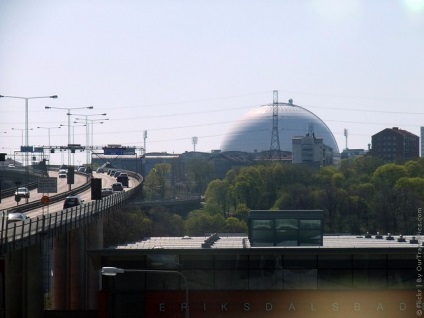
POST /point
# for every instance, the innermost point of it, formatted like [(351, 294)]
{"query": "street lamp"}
[(72, 140), (69, 123), (22, 134), (112, 271), (87, 132), (26, 116), (95, 121), (48, 129)]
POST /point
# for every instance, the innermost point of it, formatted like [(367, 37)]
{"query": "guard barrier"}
[(21, 234)]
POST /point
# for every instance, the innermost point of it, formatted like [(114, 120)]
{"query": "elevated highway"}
[(59, 238)]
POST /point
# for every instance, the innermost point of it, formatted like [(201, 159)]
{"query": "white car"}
[(16, 217), (22, 192), (63, 173)]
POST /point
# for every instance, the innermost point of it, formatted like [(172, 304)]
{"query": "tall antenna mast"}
[(274, 151), (346, 135), (145, 137), (194, 141)]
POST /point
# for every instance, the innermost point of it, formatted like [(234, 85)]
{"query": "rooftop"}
[(224, 241)]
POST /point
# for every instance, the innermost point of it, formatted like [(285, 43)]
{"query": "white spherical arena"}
[(253, 132)]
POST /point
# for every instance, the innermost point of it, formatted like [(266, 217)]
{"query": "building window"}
[(285, 228)]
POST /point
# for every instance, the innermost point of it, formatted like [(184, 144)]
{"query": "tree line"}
[(359, 195)]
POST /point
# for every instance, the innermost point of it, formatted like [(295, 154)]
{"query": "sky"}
[(193, 68)]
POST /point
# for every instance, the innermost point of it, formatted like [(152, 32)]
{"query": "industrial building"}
[(222, 275)]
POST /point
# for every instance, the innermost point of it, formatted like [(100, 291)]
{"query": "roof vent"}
[(413, 240), (401, 238), (210, 240), (379, 236), (389, 237)]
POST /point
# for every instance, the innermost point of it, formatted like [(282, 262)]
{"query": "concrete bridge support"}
[(75, 283), (95, 241), (24, 283)]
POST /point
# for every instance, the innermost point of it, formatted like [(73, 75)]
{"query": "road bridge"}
[(56, 240)]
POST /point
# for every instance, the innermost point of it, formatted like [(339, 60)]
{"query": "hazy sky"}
[(180, 69)]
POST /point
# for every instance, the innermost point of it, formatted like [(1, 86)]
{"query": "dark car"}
[(123, 178), (117, 173), (72, 200), (117, 186), (106, 192)]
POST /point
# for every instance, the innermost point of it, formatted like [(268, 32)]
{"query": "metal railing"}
[(18, 235)]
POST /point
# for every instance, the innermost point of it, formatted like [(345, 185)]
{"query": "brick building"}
[(394, 143)]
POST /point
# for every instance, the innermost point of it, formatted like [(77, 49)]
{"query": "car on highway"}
[(116, 174), (106, 192), (117, 187), (62, 173), (72, 200), (16, 217), (11, 165), (100, 170), (123, 178), (22, 192)]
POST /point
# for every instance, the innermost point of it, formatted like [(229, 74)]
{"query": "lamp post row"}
[(87, 130), (69, 123), (47, 107)]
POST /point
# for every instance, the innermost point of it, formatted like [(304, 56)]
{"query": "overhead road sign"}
[(118, 151), (47, 185), (113, 151), (27, 148)]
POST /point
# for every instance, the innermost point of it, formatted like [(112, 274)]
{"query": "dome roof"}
[(253, 132)]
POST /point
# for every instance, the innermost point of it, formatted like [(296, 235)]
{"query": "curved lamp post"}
[(112, 271)]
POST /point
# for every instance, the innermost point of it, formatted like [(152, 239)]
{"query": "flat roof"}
[(225, 241)]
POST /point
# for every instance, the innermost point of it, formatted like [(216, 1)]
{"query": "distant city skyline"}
[(188, 69)]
